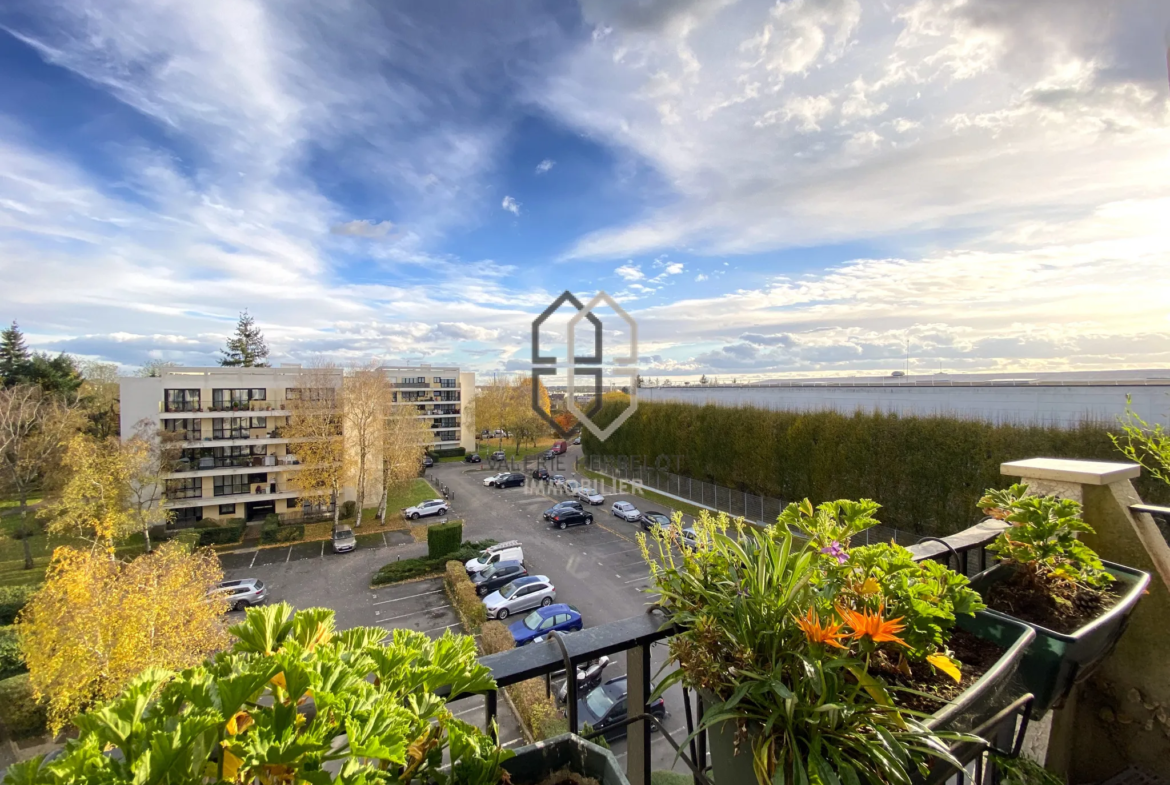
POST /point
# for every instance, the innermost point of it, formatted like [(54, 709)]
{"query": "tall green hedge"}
[(444, 538), (927, 472)]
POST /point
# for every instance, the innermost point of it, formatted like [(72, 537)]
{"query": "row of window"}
[(407, 381), (195, 514), (224, 397)]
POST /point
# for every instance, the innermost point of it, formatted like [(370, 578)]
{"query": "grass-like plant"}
[(778, 647)]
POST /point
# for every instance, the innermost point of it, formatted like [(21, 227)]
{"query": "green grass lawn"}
[(418, 491), (486, 448), (648, 495), (12, 570), (10, 506)]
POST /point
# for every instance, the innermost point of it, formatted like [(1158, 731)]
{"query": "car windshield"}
[(599, 702), (533, 620), (508, 591), (587, 491), (342, 534), (483, 558)]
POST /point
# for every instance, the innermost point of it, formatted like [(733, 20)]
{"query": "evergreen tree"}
[(703, 380), (14, 357), (247, 347), (57, 375)]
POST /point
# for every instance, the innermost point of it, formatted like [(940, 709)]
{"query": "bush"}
[(406, 569), (21, 714), (926, 472), (537, 710), (221, 535), (448, 452), (461, 592), (273, 531), (496, 638), (13, 599), (11, 658), (349, 509), (444, 538)]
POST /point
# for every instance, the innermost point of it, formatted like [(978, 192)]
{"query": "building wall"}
[(1060, 405)]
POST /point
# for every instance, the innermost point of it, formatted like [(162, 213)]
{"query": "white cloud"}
[(630, 272), (511, 205), (544, 166), (701, 277), (363, 228)]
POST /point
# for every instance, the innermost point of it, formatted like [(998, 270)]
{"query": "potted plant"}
[(567, 758), (815, 660), (1048, 579)]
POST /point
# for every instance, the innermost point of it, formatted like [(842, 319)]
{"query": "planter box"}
[(1056, 661), (535, 762)]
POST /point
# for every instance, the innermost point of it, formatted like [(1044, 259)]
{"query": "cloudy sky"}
[(803, 186)]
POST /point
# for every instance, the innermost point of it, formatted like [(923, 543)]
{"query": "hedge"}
[(273, 531), (407, 569), (926, 472), (448, 452), (444, 538), (12, 600), (23, 716), (11, 658), (537, 711), (496, 638), (231, 532), (349, 509), (461, 593)]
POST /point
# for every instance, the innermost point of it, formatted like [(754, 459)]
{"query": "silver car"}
[(625, 511), (241, 593), (522, 594), (344, 539), (590, 495)]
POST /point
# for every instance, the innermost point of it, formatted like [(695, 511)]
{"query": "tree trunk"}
[(361, 490), (336, 507), (385, 493), (146, 534), (24, 532)]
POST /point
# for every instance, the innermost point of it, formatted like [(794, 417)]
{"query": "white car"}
[(590, 495), (489, 481), (625, 511), (557, 479), (429, 507), (504, 551), (570, 487), (241, 593), (522, 594)]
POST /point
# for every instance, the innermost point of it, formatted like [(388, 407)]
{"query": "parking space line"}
[(468, 711), (644, 577), (286, 558), (446, 627), (408, 615), (513, 741), (408, 597), (322, 549), (385, 542), (254, 555)]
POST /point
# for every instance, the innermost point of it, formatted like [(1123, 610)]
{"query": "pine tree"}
[(14, 356), (703, 380), (247, 347)]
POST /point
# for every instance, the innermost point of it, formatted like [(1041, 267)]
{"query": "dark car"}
[(650, 519), (605, 707), (498, 575), (510, 480), (472, 457), (570, 517), (568, 504), (542, 621), (540, 474), (428, 461)]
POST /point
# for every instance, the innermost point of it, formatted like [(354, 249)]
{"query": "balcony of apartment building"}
[(250, 487)]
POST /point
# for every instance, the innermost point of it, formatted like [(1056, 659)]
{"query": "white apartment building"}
[(235, 462)]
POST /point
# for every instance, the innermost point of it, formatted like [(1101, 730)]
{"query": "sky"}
[(767, 188)]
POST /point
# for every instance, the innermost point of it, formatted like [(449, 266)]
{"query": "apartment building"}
[(234, 461)]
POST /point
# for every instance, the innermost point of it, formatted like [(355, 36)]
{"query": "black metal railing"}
[(1161, 516)]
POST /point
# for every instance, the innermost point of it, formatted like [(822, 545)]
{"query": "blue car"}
[(542, 621)]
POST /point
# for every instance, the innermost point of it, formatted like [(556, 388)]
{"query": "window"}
[(438, 380), (188, 488), (447, 395), (259, 422), (447, 436), (231, 484), (188, 515), (227, 509), (239, 398), (184, 430), (181, 400), (230, 427), (291, 504), (547, 624), (309, 394), (447, 382)]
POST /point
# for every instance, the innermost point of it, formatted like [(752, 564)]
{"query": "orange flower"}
[(828, 633), (872, 625)]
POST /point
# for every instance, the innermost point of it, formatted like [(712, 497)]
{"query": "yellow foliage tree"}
[(98, 623), (94, 501), (367, 400), (404, 437), (315, 422)]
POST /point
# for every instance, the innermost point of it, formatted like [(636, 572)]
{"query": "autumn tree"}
[(316, 415), (94, 501), (150, 455), (527, 424), (34, 429), (405, 437), (367, 400), (247, 347), (100, 397), (97, 623), (154, 367)]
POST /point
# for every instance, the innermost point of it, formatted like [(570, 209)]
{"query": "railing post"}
[(489, 702), (637, 696)]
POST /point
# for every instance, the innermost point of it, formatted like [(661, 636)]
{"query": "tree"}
[(34, 428), (100, 397), (367, 401), (94, 501), (405, 437), (640, 383), (495, 406), (97, 623), (703, 379), (151, 454), (14, 356), (316, 413), (527, 425), (247, 347), (152, 368), (57, 375)]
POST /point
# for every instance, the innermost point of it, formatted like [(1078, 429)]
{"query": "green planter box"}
[(1056, 661), (535, 762)]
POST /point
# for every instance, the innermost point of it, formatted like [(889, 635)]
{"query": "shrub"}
[(407, 569), (496, 638), (448, 452), (461, 592), (13, 599), (273, 531), (221, 535), (11, 658), (349, 509), (444, 538), (22, 715), (537, 710)]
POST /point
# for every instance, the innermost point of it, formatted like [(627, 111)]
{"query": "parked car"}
[(571, 517), (650, 519), (688, 538), (542, 621), (500, 552), (428, 461), (522, 594), (625, 511), (577, 440), (429, 507), (343, 539), (509, 480), (557, 479), (605, 708), (570, 487), (499, 455), (241, 593), (496, 576), (541, 474), (559, 448), (590, 495), (567, 504), (472, 457), (548, 455), (492, 480)]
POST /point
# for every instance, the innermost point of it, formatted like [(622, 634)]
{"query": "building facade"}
[(225, 425)]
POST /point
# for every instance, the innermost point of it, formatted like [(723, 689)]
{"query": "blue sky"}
[(790, 187)]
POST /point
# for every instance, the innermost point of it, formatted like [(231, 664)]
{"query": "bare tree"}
[(151, 454), (367, 399), (405, 437), (34, 429), (316, 415)]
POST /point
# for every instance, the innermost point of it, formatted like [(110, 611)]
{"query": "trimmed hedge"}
[(461, 593), (11, 658), (12, 601), (233, 531), (447, 452), (20, 713), (349, 509), (444, 538), (926, 472), (406, 569), (273, 532), (496, 638), (537, 711)]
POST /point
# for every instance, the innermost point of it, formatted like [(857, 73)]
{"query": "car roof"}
[(343, 530), (508, 563), (527, 579), (622, 504), (560, 607), (237, 582), (503, 546)]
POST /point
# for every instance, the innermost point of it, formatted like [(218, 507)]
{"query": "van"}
[(504, 551), (559, 448)]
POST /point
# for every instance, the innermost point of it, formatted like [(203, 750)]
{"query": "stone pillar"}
[(1121, 715)]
